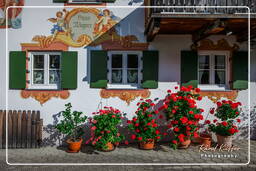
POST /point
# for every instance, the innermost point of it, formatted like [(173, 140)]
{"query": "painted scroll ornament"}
[(44, 96), (125, 95)]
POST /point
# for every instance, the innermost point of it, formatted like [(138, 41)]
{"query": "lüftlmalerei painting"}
[(13, 14)]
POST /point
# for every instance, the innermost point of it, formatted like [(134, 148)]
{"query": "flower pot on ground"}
[(183, 114), (104, 129), (71, 125), (205, 139), (224, 127), (147, 145), (144, 125), (184, 144)]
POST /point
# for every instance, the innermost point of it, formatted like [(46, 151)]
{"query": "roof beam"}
[(214, 27)]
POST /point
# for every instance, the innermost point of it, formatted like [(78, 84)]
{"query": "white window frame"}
[(124, 85), (46, 85), (212, 86)]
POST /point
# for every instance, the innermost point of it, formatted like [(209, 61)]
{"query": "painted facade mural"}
[(78, 27), (13, 14)]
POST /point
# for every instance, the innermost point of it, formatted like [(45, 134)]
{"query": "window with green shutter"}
[(240, 70), (17, 70), (98, 69), (150, 69), (69, 70), (189, 68)]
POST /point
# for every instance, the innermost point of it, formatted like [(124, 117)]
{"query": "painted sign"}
[(13, 14), (78, 27)]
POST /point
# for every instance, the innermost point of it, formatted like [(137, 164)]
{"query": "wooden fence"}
[(24, 129)]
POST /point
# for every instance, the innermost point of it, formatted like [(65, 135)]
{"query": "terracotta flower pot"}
[(110, 147), (74, 146), (206, 140), (224, 140), (148, 145), (184, 144)]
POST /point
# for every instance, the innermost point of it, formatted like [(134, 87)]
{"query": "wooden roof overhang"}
[(200, 26)]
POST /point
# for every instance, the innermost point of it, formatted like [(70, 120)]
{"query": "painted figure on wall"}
[(60, 25), (13, 14), (104, 23)]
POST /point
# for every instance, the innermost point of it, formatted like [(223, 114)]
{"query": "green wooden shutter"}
[(240, 70), (60, 1), (98, 69), (150, 69), (189, 68), (69, 70), (17, 70)]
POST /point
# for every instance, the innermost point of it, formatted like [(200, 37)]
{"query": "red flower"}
[(176, 129), (158, 137), (174, 141), (219, 104), (176, 87), (133, 136), (126, 142), (196, 116), (234, 105), (160, 116), (207, 122), (154, 125), (113, 116), (238, 120), (232, 130), (134, 119), (137, 130), (93, 128), (150, 115), (196, 134), (157, 132), (199, 98), (212, 111), (191, 112), (237, 113), (156, 111), (129, 122), (184, 120), (188, 128), (201, 110), (107, 131), (138, 104), (197, 90), (190, 122), (165, 106), (139, 138), (164, 134), (152, 104), (173, 111), (149, 124), (169, 91), (224, 123), (137, 124), (215, 120)]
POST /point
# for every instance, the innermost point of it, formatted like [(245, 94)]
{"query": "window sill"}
[(122, 87), (214, 88)]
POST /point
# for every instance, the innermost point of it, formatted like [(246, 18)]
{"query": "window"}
[(124, 69), (213, 70), (44, 70)]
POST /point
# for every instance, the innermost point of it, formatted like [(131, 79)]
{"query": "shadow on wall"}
[(52, 137)]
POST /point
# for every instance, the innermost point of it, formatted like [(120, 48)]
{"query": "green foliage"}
[(144, 124), (105, 128), (71, 123), (226, 112)]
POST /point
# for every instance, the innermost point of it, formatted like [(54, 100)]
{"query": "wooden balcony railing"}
[(202, 3)]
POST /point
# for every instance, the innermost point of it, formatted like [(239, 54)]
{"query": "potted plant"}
[(104, 129), (182, 112), (224, 127), (71, 125), (144, 125)]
